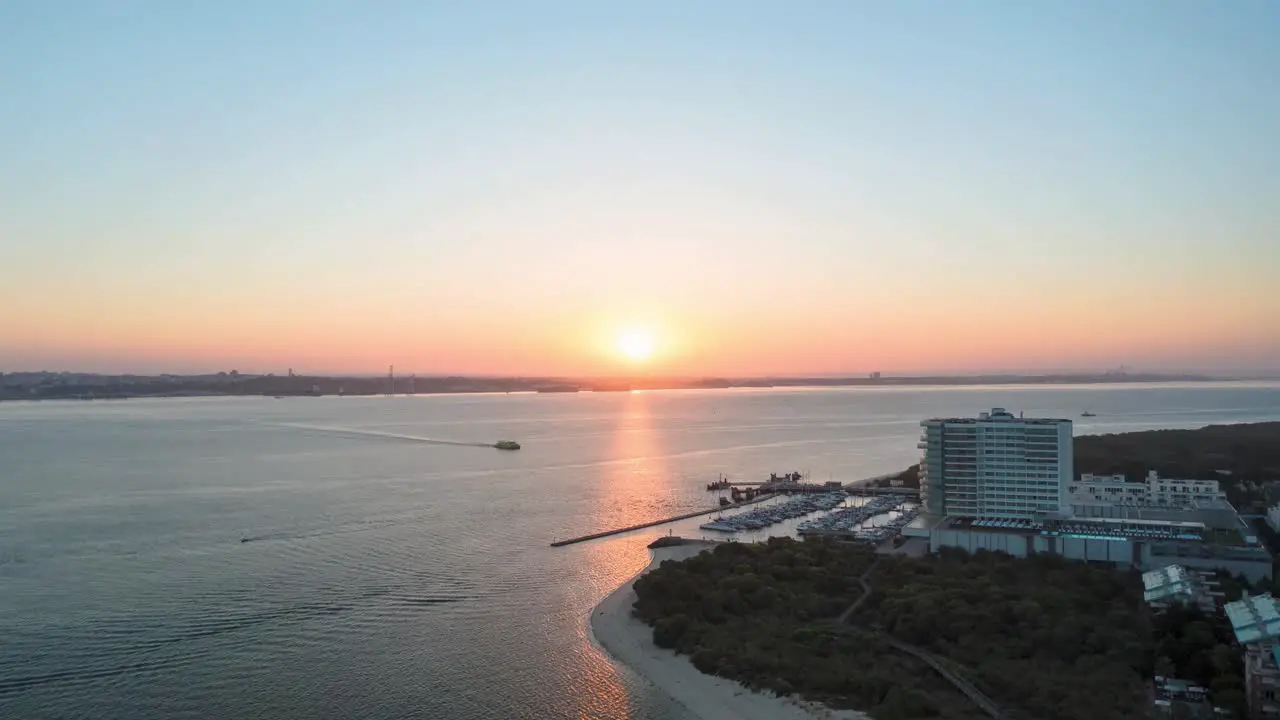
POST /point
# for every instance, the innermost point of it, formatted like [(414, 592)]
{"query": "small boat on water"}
[(507, 445), (1086, 413)]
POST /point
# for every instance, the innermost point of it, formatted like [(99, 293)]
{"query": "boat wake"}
[(356, 432)]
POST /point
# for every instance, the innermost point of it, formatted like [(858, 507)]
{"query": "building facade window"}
[(995, 466)]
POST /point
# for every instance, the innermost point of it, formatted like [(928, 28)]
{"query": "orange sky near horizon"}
[(905, 335), (840, 188)]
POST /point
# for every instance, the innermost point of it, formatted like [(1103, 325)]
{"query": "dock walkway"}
[(641, 526), (855, 487), (940, 665)]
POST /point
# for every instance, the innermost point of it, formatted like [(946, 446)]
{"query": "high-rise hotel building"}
[(996, 466)]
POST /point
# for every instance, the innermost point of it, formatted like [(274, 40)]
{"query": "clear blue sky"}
[(762, 187)]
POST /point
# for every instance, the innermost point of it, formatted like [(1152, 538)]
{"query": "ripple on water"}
[(401, 579)]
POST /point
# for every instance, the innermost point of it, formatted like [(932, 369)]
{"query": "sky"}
[(746, 188)]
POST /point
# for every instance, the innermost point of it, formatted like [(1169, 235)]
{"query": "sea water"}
[(364, 558)]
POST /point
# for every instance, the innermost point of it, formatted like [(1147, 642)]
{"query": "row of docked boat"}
[(763, 517), (847, 520), (880, 533)]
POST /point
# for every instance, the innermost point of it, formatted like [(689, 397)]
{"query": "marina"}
[(879, 533), (813, 498), (774, 514), (792, 482), (845, 522)]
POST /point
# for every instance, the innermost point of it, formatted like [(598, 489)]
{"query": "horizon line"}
[(1256, 374)]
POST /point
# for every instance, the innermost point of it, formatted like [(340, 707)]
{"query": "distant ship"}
[(1086, 413), (507, 445)]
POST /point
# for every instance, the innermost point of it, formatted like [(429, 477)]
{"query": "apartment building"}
[(996, 466)]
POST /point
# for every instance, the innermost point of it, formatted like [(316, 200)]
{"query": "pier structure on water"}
[(792, 482), (912, 493), (787, 483), (664, 521)]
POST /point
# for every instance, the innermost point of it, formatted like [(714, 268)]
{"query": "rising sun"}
[(635, 345)]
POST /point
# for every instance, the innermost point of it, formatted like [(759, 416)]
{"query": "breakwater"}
[(641, 526), (855, 487)]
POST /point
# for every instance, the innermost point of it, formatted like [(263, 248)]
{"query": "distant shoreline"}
[(69, 386)]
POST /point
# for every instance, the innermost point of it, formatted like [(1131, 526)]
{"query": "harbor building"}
[(995, 466), (1005, 483), (1255, 620)]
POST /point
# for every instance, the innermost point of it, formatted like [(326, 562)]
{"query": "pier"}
[(913, 493), (767, 490), (868, 481), (641, 526)]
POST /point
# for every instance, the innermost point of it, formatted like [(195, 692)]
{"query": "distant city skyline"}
[(712, 188), (1241, 374)]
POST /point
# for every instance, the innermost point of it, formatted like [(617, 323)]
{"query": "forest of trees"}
[(1044, 637), (1198, 648), (1249, 453)]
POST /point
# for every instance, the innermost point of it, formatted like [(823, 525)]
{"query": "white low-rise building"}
[(1154, 492), (1114, 489), (1167, 492), (1273, 517)]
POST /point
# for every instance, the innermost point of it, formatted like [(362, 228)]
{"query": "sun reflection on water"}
[(627, 493), (634, 490), (604, 689)]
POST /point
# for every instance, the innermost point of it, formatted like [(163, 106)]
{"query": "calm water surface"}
[(392, 575)]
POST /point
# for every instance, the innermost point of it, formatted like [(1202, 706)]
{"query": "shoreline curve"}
[(628, 641)]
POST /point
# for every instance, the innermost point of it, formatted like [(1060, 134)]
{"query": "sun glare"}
[(635, 345)]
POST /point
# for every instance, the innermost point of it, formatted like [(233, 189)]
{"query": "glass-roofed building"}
[(1174, 585), (1255, 620)]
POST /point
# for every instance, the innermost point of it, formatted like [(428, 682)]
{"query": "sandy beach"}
[(630, 642)]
